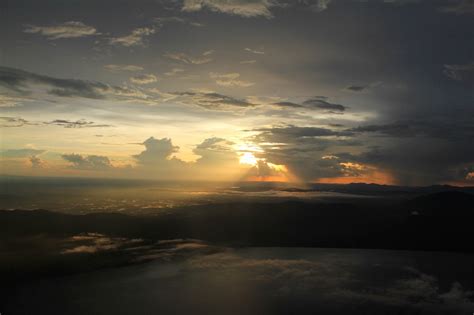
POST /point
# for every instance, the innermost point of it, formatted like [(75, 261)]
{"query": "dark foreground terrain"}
[(250, 250)]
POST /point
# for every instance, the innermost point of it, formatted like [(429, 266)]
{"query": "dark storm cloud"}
[(302, 149), (89, 162), (394, 129), (436, 128)]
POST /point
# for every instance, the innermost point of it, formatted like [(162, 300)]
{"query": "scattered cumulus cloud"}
[(88, 162), (156, 150), (229, 79), (130, 68), (70, 29), (174, 72), (255, 51), (187, 59), (144, 79), (243, 8), (135, 38)]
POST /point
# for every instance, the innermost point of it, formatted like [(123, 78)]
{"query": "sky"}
[(327, 91)]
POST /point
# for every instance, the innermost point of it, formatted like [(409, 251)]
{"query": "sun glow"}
[(248, 158)]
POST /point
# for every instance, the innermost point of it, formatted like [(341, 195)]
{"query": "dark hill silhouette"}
[(439, 221), (447, 203)]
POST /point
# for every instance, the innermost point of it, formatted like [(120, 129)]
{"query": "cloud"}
[(254, 51), (144, 79), (356, 88), (428, 128), (89, 243), (131, 68), (182, 57), (135, 38), (248, 62), (229, 79), (81, 123), (17, 80), (213, 101), (71, 29), (459, 7), (11, 101), (287, 105), (174, 71), (36, 162), (322, 104), (316, 103), (244, 8), (215, 150), (6, 122), (290, 133), (301, 149), (161, 21), (394, 129), (20, 122), (317, 5), (20, 153), (23, 83), (156, 151), (89, 162), (463, 72), (339, 283)]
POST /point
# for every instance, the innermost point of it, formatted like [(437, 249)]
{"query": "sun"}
[(248, 158)]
